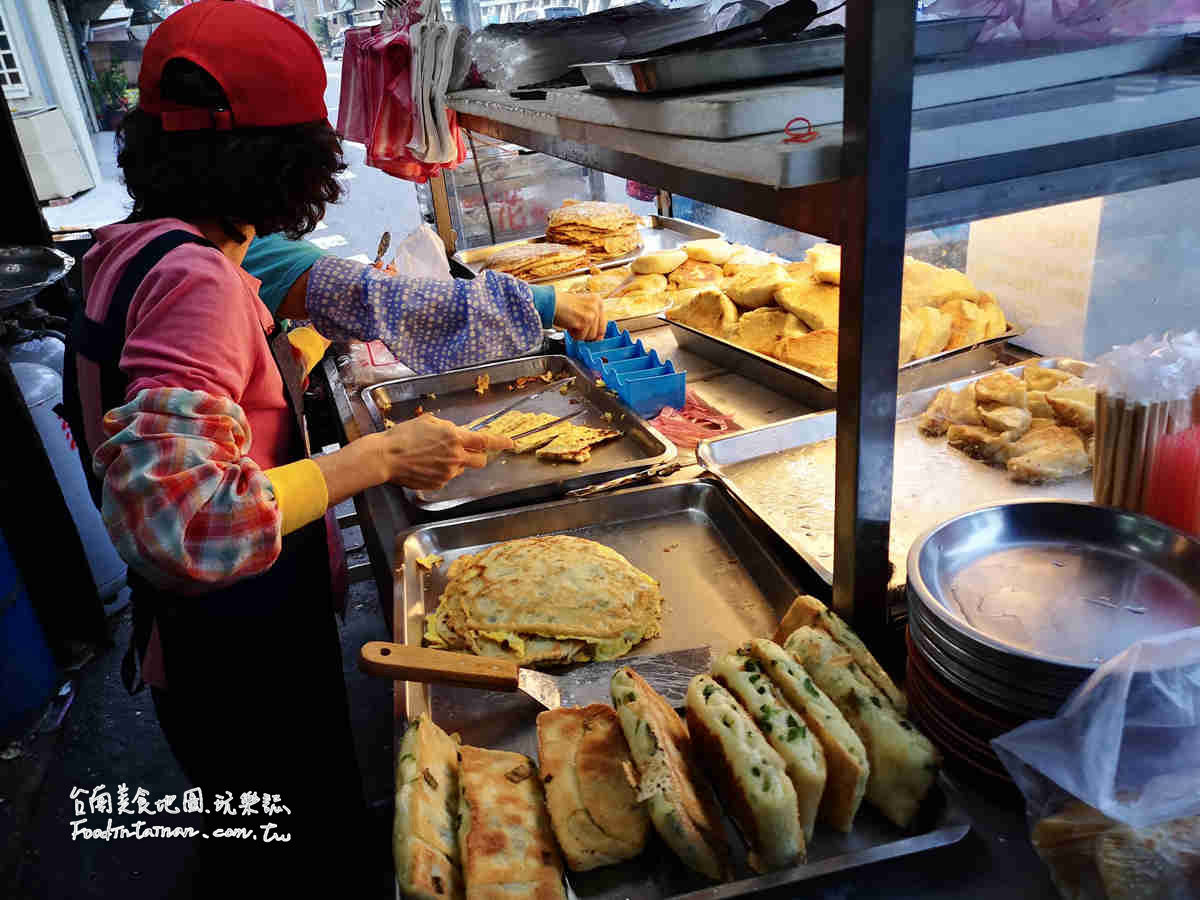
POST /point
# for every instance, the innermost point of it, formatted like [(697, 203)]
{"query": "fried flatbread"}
[(814, 303), (504, 836), (815, 352), (1002, 388), (935, 331), (627, 306), (761, 329), (826, 263), (659, 263), (925, 284), (596, 214), (575, 444), (536, 261), (1074, 406), (750, 777), (1046, 454), (910, 333), (1006, 418), (755, 286), (676, 794), (694, 273), (593, 807), (968, 326), (709, 311), (1040, 378), (936, 418), (605, 281), (978, 442), (995, 323), (424, 841), (641, 284), (711, 250)]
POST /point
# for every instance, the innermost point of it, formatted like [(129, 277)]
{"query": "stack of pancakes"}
[(536, 262), (603, 230)]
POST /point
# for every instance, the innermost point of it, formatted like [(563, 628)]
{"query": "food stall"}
[(848, 453)]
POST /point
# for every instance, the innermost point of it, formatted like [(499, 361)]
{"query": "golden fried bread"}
[(936, 418), (575, 443), (1002, 388), (846, 765), (993, 316), (755, 286), (595, 214), (1037, 405), (710, 250), (935, 331), (925, 284), (826, 262), (782, 725), (531, 262), (694, 273), (977, 441), (630, 306), (903, 763), (709, 311), (641, 284), (1048, 453), (968, 326), (963, 409), (672, 786), (605, 281), (815, 352), (594, 809), (660, 262), (807, 610), (504, 835), (1040, 378), (812, 302), (910, 333), (424, 841), (681, 297), (761, 329), (749, 775)]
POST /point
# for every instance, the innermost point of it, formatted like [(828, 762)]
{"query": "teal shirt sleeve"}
[(277, 262), (545, 303)]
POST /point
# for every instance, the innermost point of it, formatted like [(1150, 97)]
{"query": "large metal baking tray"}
[(512, 479), (821, 393), (722, 585), (784, 473), (659, 233), (685, 71)]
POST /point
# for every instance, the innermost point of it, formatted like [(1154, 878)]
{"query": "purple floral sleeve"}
[(430, 325)]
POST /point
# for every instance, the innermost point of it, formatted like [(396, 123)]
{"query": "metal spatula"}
[(667, 673)]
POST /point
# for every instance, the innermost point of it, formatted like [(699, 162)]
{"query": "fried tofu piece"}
[(936, 418), (1074, 406), (1003, 389), (709, 311), (1006, 418), (935, 331), (815, 352), (968, 326), (755, 286), (814, 303), (910, 333), (977, 441), (761, 329)]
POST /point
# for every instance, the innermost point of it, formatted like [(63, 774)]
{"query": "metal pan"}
[(512, 479), (722, 585), (660, 233), (785, 474), (821, 393), (758, 62)]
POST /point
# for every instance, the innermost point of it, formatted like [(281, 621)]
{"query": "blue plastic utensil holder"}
[(643, 382)]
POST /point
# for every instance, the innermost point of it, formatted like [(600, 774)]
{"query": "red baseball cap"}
[(268, 67)]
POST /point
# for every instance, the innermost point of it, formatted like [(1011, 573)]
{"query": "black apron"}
[(255, 698)]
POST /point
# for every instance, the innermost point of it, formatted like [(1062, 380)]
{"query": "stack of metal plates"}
[(1012, 607)]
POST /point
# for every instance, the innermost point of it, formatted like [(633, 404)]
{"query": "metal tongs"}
[(662, 470), (494, 416)]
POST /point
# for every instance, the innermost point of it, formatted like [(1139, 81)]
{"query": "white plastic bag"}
[(422, 255), (1112, 784)]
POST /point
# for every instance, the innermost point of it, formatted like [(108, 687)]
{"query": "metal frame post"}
[(877, 124)]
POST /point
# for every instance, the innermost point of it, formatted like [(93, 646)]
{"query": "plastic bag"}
[(1112, 784), (1035, 20), (422, 255)]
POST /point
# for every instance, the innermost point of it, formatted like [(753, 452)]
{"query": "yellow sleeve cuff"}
[(300, 492), (311, 344)]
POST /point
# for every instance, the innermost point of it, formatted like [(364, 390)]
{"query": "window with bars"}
[(12, 78)]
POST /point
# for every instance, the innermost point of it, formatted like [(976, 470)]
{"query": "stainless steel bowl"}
[(24, 271)]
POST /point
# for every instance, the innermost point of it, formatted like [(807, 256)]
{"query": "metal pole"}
[(877, 122)]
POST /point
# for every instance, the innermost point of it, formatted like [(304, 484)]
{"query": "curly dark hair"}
[(276, 179)]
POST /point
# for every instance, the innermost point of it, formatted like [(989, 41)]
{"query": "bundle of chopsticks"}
[(1148, 429)]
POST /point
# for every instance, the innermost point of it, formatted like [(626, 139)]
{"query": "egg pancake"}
[(546, 599)]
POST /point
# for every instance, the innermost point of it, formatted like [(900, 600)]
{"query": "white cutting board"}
[(749, 110)]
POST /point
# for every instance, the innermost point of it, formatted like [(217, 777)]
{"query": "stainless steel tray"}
[(659, 233), (722, 585), (512, 479), (784, 473), (821, 393), (685, 71)]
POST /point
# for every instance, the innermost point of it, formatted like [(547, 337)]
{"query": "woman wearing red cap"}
[(189, 403)]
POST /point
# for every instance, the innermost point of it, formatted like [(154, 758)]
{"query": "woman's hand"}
[(425, 453), (582, 315)]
